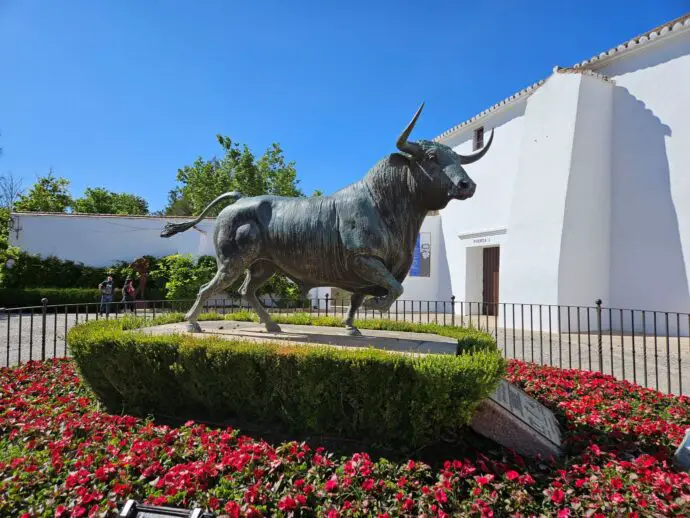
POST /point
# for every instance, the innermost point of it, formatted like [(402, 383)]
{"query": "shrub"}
[(14, 297), (181, 277), (385, 398)]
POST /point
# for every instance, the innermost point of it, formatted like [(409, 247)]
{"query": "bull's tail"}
[(175, 228)]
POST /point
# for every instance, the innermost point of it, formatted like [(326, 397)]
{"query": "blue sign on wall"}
[(421, 256)]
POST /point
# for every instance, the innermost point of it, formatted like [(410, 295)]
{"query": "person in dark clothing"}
[(128, 295), (107, 288)]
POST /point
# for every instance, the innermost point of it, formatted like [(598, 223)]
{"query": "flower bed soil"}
[(61, 456)]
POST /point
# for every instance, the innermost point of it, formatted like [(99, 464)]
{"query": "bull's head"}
[(438, 169)]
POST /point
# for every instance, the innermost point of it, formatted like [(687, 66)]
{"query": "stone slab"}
[(395, 341), (515, 420)]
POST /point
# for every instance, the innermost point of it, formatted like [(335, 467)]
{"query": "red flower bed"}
[(60, 456)]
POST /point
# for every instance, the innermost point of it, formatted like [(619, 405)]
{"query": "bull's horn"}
[(469, 159), (410, 147)]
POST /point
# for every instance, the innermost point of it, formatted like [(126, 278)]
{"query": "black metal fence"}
[(650, 348)]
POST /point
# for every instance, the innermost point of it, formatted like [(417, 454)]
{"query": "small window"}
[(478, 142)]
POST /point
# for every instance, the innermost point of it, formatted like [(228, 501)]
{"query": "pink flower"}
[(332, 484), (368, 484), (287, 503), (512, 475), (557, 496), (232, 509)]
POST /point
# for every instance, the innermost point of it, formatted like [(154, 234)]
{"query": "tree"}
[(317, 192), (102, 201), (237, 170), (48, 194), (10, 190)]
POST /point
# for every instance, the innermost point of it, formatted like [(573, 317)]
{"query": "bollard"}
[(44, 310), (599, 336), (452, 310), (326, 304)]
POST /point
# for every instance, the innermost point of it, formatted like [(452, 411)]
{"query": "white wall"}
[(103, 240), (488, 211), (650, 233), (436, 287), (584, 262), (529, 269)]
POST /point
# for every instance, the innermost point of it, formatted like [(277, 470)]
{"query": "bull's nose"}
[(464, 184)]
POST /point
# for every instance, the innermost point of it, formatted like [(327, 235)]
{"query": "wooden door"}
[(490, 289)]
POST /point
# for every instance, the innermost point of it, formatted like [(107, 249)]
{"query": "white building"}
[(584, 195)]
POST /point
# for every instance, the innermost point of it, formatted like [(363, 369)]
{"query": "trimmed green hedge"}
[(381, 397), (15, 297)]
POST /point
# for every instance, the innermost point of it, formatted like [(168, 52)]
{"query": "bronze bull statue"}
[(360, 239)]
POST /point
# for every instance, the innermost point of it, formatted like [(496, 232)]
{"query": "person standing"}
[(128, 295), (107, 287)]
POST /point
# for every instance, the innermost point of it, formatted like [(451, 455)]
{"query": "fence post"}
[(452, 310), (326, 303), (599, 339), (7, 317), (44, 310)]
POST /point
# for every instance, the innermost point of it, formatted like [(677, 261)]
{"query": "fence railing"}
[(650, 348)]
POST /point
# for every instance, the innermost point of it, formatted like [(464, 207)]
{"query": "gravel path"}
[(653, 363)]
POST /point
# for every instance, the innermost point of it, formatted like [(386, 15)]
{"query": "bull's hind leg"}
[(355, 302), (373, 270), (257, 275), (237, 249), (224, 277)]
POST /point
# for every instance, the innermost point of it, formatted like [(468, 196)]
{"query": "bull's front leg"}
[(373, 270)]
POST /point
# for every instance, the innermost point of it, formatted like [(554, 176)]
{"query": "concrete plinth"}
[(394, 341)]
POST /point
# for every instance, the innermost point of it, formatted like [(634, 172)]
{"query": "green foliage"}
[(48, 194), (237, 170), (181, 277), (102, 201), (32, 273), (381, 397)]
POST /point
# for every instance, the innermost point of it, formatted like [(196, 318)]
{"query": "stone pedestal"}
[(517, 421)]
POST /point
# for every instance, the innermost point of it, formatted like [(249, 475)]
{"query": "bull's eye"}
[(431, 155)]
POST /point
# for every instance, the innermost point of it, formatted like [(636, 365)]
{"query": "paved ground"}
[(658, 364)]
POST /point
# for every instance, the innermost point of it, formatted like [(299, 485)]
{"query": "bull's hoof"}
[(272, 327), (353, 331), (193, 327)]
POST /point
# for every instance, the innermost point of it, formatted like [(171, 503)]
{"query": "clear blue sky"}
[(121, 94)]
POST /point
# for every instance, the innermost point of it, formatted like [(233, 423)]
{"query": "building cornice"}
[(505, 103), (662, 32), (645, 39)]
